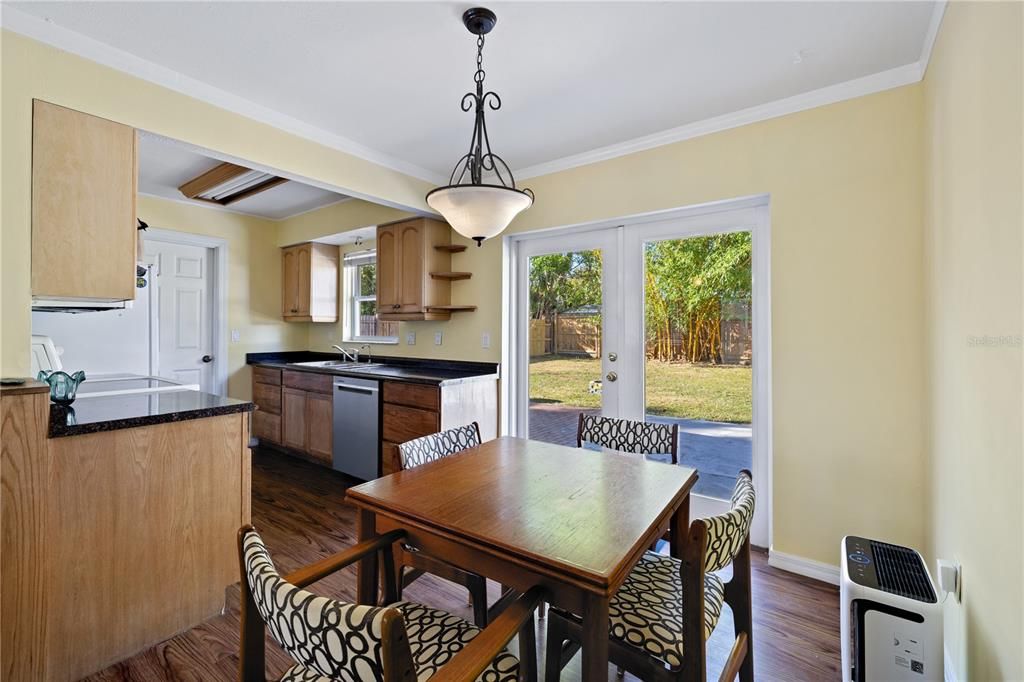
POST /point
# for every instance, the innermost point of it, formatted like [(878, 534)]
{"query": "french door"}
[(623, 321), (570, 324)]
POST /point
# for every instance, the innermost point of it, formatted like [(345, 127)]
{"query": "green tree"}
[(688, 281), (564, 281)]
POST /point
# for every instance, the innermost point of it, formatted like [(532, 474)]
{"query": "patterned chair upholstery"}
[(335, 640), (627, 435), (436, 446), (647, 614)]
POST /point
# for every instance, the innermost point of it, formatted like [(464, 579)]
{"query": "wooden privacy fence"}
[(581, 335), (566, 335)]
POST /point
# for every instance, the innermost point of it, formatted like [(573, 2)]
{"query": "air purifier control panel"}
[(860, 562)]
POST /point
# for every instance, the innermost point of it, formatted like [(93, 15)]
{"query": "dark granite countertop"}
[(412, 370), (109, 413)]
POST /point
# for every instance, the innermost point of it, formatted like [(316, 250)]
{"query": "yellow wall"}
[(254, 280), (846, 186), (33, 70), (973, 244)]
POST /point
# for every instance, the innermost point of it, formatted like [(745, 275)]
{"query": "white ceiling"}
[(387, 78), (165, 165)]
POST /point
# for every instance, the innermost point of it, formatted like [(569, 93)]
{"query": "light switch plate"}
[(410, 339), (236, 336), (437, 338), (485, 340)]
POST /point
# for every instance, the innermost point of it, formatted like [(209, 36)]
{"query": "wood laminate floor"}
[(300, 510)]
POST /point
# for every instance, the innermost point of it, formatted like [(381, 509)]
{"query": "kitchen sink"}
[(339, 364)]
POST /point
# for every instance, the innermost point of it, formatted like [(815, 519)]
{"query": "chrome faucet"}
[(369, 352), (348, 354)]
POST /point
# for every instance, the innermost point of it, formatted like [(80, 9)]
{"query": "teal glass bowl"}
[(63, 386)]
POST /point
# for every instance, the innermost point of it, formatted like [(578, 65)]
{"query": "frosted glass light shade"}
[(478, 211)]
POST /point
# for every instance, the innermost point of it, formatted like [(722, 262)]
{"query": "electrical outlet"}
[(485, 340), (437, 338), (410, 339), (236, 336)]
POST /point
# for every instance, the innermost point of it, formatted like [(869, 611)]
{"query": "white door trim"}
[(219, 308), (748, 213)]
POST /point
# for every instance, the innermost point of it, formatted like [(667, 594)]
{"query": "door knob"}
[(612, 376), (207, 358)]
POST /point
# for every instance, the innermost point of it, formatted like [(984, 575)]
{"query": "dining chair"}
[(416, 453), (331, 639), (630, 436), (627, 435), (665, 611)]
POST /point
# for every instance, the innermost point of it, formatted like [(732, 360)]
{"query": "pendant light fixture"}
[(481, 198)]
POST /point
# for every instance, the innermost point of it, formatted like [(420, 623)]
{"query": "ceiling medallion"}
[(480, 199)]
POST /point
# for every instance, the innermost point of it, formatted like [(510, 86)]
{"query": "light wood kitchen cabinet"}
[(413, 410), (293, 421), (309, 283), (307, 414), (84, 175), (320, 427), (266, 394), (411, 254)]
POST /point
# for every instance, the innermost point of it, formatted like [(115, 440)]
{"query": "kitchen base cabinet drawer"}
[(308, 381), (402, 424), (413, 395), (391, 459), (266, 375), (266, 426), (267, 398)]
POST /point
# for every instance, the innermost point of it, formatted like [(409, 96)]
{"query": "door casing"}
[(219, 297)]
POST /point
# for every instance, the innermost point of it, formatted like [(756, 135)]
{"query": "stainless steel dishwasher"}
[(356, 426)]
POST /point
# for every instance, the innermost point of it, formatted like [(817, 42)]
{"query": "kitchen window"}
[(360, 295)]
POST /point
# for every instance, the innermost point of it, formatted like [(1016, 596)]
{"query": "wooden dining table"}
[(527, 513)]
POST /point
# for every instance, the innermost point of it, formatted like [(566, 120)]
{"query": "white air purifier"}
[(891, 618)]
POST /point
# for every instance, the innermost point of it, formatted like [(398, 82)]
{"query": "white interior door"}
[(184, 312), (569, 359)]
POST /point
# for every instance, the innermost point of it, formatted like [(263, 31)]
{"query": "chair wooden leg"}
[(478, 598), (737, 595), (553, 648), (528, 651)]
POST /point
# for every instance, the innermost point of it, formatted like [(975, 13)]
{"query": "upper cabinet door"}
[(289, 282), (387, 270), (410, 279), (304, 266), (84, 172)]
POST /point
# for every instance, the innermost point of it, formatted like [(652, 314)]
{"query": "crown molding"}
[(931, 36), (858, 87), (884, 80), (83, 46), (86, 47)]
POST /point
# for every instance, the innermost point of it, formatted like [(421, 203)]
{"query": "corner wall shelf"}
[(451, 276), (450, 248), (450, 308)]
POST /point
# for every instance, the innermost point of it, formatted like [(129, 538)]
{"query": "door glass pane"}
[(565, 343), (699, 350)]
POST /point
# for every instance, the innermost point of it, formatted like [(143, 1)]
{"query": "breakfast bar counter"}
[(119, 515)]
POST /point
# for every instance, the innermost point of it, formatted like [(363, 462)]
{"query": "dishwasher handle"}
[(365, 390)]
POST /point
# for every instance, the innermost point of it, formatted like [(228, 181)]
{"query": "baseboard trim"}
[(948, 669), (805, 567)]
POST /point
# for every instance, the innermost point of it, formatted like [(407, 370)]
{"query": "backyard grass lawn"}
[(717, 393)]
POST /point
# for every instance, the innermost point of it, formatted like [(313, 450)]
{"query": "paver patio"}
[(718, 450)]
